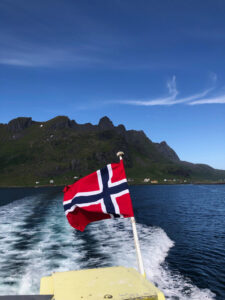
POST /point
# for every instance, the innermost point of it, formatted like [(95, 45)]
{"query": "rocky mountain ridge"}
[(18, 125), (62, 148)]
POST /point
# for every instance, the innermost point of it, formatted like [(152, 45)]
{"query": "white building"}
[(147, 180)]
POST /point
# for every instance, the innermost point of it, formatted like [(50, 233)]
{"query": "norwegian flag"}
[(101, 195)]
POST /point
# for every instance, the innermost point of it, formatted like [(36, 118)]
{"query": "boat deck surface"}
[(118, 283)]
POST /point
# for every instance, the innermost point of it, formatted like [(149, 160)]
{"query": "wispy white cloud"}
[(172, 98), (192, 97), (171, 85), (89, 53), (214, 100), (50, 59), (15, 52)]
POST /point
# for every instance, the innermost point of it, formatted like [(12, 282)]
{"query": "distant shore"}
[(130, 184)]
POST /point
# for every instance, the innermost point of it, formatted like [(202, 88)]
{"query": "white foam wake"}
[(55, 246), (12, 218), (155, 245)]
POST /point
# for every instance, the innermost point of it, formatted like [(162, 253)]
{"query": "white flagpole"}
[(136, 240)]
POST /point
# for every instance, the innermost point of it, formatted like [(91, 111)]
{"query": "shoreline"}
[(132, 184)]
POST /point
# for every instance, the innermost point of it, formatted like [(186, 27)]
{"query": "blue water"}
[(181, 230), (193, 216)]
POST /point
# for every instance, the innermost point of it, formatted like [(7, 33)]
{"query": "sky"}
[(156, 66)]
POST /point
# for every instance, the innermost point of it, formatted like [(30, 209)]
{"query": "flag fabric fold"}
[(103, 194)]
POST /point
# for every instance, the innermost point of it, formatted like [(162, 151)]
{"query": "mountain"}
[(60, 149)]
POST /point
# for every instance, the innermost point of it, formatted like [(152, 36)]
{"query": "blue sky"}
[(158, 66)]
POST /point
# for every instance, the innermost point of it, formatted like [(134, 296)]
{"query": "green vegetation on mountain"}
[(60, 149)]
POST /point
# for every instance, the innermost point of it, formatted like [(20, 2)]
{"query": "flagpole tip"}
[(120, 154)]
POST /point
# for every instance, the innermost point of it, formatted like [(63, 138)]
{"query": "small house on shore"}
[(147, 180)]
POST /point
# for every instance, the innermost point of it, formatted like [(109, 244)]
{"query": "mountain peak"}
[(105, 123), (19, 124), (60, 122), (167, 151)]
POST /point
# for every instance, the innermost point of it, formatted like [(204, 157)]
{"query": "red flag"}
[(103, 194)]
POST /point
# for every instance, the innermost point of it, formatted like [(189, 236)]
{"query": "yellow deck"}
[(103, 283)]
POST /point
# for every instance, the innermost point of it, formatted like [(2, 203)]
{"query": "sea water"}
[(181, 230)]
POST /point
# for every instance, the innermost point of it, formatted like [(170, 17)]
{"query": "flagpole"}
[(136, 240)]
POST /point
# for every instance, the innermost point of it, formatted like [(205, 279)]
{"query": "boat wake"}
[(36, 240)]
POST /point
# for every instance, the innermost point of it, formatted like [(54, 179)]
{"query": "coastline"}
[(130, 184)]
